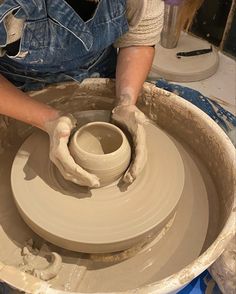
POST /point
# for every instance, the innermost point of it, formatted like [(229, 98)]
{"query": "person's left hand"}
[(133, 119)]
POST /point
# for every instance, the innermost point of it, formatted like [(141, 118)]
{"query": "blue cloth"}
[(225, 119), (57, 45), (202, 284)]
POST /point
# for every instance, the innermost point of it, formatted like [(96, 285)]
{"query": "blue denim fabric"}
[(200, 285), (57, 45), (225, 119)]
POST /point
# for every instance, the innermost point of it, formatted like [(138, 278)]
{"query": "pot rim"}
[(94, 155)]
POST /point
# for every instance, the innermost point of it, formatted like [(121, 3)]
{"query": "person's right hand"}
[(133, 120), (59, 131)]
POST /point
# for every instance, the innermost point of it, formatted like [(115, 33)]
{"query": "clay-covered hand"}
[(59, 132), (133, 119)]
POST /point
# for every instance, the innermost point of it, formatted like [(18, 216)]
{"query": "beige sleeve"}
[(145, 18)]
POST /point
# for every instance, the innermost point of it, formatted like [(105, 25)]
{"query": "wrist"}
[(48, 117), (65, 120), (125, 100)]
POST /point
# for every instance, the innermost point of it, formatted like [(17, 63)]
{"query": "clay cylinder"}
[(101, 149)]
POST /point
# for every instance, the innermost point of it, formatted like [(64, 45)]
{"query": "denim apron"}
[(57, 45)]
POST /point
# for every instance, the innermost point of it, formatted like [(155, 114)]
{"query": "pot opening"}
[(99, 139)]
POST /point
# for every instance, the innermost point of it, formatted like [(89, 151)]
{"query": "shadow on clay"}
[(39, 165), (123, 187), (212, 196), (10, 220)]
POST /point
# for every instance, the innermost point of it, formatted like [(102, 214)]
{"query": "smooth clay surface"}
[(102, 149), (108, 219), (195, 237), (98, 139)]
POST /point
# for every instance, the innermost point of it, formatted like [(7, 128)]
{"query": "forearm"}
[(20, 106), (133, 66)]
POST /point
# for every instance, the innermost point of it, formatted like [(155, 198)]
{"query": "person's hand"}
[(59, 132), (133, 119)]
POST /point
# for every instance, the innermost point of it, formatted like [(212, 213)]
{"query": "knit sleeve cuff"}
[(148, 29)]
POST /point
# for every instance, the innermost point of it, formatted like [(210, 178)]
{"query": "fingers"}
[(133, 119), (140, 117), (139, 162), (71, 171), (59, 132), (77, 177), (129, 116)]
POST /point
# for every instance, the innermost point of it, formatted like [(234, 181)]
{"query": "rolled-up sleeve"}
[(145, 23)]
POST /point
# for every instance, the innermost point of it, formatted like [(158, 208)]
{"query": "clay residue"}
[(224, 269), (128, 253), (35, 261)]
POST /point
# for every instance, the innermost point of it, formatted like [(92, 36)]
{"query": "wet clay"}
[(108, 219), (161, 258), (32, 261), (98, 139), (102, 149), (197, 223), (132, 119)]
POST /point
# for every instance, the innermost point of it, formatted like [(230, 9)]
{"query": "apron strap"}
[(74, 24)]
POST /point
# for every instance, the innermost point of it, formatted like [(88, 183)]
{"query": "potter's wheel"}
[(108, 219)]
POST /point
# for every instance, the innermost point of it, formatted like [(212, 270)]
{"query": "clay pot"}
[(101, 149)]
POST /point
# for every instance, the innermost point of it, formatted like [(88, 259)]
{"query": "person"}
[(52, 41)]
